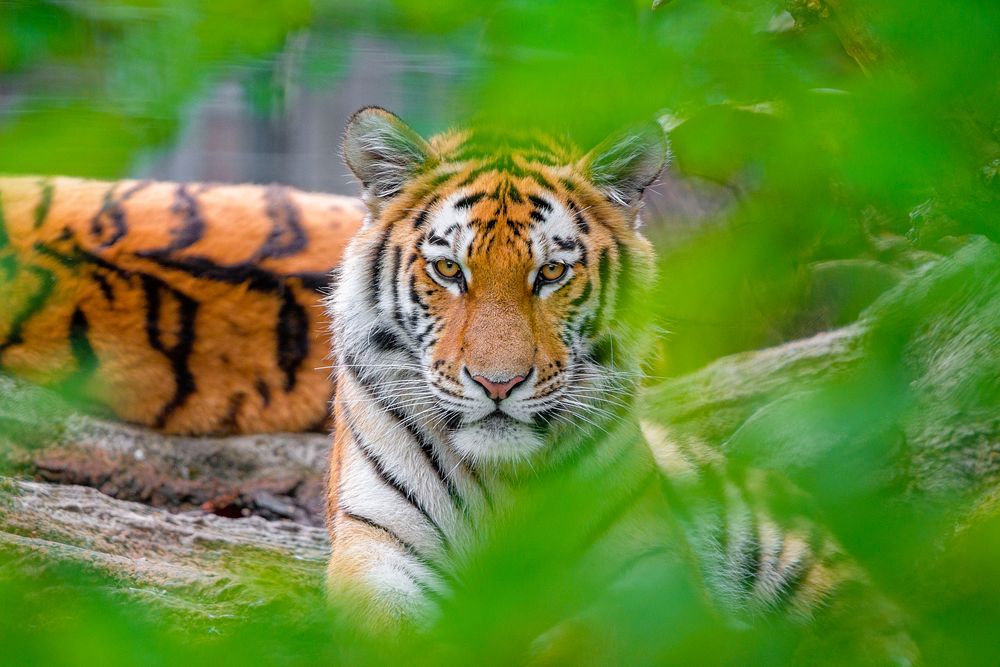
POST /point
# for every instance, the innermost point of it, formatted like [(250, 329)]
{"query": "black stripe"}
[(748, 560), (538, 156), (419, 437), (287, 236), (228, 422), (397, 312), (604, 277), (471, 471), (112, 212), (564, 244), (541, 180), (84, 356), (421, 218), (376, 268), (442, 178), (292, 335), (384, 340), (415, 296), (68, 261), (432, 459), (83, 352), (245, 273), (192, 227), (792, 581), (469, 200), (428, 449), (134, 189), (44, 204), (584, 295), (513, 193), (540, 203), (178, 355), (581, 222), (409, 548), (390, 480), (422, 336), (505, 164), (712, 494), (104, 285), (263, 391), (35, 302)]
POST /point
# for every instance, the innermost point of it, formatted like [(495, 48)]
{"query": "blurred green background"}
[(825, 150)]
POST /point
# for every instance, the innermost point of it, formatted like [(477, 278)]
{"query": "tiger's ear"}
[(625, 164), (383, 151)]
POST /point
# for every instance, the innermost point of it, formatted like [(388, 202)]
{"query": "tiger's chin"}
[(497, 438)]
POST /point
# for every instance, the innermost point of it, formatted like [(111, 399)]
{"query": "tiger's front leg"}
[(370, 569), (384, 546)]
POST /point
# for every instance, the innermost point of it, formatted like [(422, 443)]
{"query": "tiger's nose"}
[(499, 390)]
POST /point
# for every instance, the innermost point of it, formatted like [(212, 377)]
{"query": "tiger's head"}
[(483, 297)]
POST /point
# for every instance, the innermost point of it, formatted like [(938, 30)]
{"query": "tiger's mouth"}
[(496, 419), (496, 438)]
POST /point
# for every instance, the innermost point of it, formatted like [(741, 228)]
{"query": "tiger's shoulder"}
[(189, 307)]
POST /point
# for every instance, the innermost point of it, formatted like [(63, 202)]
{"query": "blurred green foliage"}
[(846, 143), (144, 63)]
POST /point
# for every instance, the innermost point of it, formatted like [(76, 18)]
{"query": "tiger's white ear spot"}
[(625, 164), (383, 151)]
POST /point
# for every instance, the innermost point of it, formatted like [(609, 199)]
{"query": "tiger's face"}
[(497, 270)]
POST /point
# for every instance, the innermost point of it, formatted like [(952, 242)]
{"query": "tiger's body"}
[(191, 308), (483, 327)]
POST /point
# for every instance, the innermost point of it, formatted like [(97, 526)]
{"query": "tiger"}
[(191, 308), (483, 331), (477, 305)]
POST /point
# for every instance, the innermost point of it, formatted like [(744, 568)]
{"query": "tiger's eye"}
[(552, 271), (447, 268)]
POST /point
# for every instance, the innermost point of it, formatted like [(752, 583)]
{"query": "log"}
[(189, 562), (275, 476), (927, 352)]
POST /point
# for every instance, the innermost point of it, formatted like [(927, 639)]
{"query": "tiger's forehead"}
[(504, 220), (503, 151)]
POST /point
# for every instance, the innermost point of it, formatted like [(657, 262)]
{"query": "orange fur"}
[(193, 308)]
